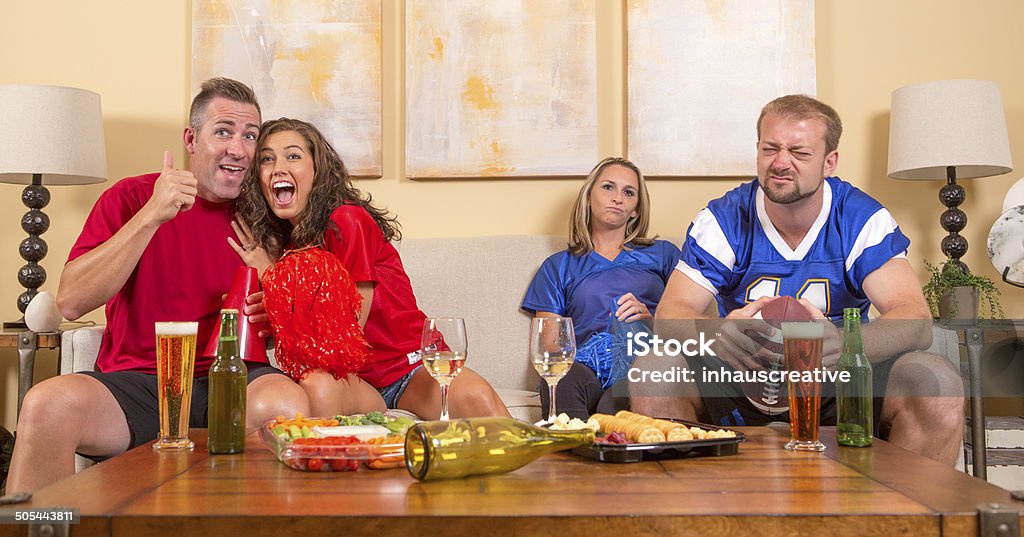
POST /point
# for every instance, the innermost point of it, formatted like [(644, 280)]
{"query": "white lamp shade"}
[(51, 130), (948, 123)]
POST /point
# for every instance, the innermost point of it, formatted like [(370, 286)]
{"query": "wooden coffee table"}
[(763, 490)]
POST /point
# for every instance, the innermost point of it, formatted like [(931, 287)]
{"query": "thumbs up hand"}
[(175, 191)]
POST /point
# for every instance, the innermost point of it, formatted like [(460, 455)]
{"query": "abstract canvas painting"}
[(500, 88), (699, 72), (306, 59)]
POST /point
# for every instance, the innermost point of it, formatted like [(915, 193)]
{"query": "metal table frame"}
[(27, 343), (973, 334), (974, 340)]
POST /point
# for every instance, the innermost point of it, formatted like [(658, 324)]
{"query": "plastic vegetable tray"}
[(333, 453)]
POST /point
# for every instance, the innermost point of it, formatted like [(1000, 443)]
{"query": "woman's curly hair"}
[(332, 188)]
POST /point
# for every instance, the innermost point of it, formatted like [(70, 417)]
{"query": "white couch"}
[(482, 279)]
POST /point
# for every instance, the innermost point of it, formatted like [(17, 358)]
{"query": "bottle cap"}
[(251, 347)]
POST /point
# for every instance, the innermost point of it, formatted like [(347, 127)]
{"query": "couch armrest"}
[(79, 348), (945, 343)]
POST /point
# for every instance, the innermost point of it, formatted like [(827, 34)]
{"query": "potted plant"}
[(954, 294)]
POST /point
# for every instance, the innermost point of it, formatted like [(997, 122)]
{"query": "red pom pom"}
[(313, 307)]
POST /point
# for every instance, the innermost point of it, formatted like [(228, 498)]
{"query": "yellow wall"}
[(136, 55)]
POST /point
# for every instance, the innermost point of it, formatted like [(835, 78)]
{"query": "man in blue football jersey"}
[(798, 231)]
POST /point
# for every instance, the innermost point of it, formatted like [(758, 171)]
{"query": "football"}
[(784, 308), (779, 310), (773, 398)]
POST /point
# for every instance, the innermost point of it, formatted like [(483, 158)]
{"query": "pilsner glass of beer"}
[(175, 358), (802, 349)]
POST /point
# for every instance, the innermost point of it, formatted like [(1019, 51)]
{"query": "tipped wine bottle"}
[(227, 379), (853, 397), (459, 448)]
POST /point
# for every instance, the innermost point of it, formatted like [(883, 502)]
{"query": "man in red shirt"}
[(156, 247)]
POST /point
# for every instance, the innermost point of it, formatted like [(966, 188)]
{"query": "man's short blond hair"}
[(227, 88), (805, 107)]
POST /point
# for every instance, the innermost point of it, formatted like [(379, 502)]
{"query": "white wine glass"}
[(443, 348), (552, 352)]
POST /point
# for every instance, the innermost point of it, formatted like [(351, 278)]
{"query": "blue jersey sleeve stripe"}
[(893, 247), (708, 234), (877, 228), (696, 276)]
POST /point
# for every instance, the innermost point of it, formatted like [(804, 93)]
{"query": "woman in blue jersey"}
[(611, 272)]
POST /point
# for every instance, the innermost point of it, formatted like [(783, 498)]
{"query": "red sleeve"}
[(356, 240), (114, 208)]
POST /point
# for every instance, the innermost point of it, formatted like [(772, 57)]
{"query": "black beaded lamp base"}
[(954, 221), (33, 249)]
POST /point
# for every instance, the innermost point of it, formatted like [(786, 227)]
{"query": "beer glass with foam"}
[(175, 359), (801, 343)]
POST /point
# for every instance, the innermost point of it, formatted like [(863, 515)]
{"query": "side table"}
[(971, 334), (27, 342)]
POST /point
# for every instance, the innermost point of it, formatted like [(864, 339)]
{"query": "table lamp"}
[(949, 129), (52, 134)]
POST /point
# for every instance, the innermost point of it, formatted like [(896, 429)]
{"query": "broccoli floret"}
[(349, 420), (376, 418)]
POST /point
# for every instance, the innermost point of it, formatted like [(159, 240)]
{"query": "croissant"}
[(637, 432), (674, 432)]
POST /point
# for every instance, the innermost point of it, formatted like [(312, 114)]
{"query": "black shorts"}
[(136, 393), (727, 406)]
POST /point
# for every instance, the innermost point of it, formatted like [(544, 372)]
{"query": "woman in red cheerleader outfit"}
[(298, 201)]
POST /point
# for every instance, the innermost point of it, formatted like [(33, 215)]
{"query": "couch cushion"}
[(522, 404), (483, 279)]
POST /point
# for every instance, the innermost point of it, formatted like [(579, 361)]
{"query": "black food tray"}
[(712, 447)]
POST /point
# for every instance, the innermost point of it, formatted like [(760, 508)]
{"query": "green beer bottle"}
[(853, 397), (227, 390)]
